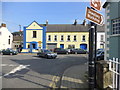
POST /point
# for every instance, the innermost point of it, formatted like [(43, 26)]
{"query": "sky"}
[(24, 13)]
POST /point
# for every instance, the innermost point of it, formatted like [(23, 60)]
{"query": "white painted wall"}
[(4, 36), (99, 39)]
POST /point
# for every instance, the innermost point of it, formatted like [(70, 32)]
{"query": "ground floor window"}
[(71, 46), (101, 45), (28, 46)]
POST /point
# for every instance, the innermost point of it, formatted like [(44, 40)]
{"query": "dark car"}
[(47, 54), (78, 51), (100, 55), (60, 51), (9, 52), (0, 51)]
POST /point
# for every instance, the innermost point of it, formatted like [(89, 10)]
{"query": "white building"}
[(100, 40), (6, 37)]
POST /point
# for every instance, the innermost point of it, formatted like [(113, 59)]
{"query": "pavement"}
[(75, 77)]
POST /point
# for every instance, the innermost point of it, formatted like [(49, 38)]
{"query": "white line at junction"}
[(19, 68)]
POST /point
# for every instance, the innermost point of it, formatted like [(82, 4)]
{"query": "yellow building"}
[(67, 36), (50, 36)]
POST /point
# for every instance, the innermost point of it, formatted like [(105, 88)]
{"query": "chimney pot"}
[(46, 22), (3, 25), (75, 22)]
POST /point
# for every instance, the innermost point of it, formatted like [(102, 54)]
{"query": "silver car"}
[(47, 54)]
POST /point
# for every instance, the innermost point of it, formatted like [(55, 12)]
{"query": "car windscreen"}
[(47, 51)]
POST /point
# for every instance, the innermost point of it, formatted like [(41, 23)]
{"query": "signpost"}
[(96, 19), (94, 16), (39, 43), (96, 4)]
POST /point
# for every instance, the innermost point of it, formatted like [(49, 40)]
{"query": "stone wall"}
[(104, 76)]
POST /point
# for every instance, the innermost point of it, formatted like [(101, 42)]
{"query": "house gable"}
[(34, 25)]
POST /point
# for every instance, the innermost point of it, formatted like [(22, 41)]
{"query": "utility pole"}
[(91, 57)]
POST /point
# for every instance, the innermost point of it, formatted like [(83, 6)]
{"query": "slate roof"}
[(17, 38), (71, 28)]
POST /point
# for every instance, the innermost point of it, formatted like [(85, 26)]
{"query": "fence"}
[(114, 66)]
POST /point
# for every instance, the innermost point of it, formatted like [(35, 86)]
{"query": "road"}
[(30, 71)]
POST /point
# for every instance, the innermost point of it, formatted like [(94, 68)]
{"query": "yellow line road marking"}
[(55, 79)]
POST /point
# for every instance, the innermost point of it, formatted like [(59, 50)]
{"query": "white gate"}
[(114, 66)]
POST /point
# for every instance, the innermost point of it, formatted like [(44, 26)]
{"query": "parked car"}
[(100, 55), (78, 51), (60, 51), (47, 54), (101, 49), (0, 51), (9, 52)]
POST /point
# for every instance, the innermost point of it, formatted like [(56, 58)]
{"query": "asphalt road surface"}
[(30, 71)]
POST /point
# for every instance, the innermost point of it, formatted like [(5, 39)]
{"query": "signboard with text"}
[(96, 4), (94, 16)]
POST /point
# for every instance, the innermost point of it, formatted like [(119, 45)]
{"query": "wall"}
[(4, 38), (99, 39), (65, 42)]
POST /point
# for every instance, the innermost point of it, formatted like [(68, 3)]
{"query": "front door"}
[(83, 46), (32, 46), (61, 45)]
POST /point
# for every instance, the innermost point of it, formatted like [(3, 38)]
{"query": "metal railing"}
[(114, 66)]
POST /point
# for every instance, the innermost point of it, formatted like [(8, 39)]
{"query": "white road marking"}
[(20, 67), (8, 65)]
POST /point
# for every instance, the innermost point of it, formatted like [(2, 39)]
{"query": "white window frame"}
[(62, 37), (68, 37), (75, 37), (116, 26), (49, 37), (83, 38), (55, 38)]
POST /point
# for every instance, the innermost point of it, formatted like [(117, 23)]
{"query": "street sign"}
[(96, 4), (94, 16), (39, 42)]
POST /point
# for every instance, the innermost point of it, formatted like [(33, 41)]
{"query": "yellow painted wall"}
[(65, 42), (29, 35)]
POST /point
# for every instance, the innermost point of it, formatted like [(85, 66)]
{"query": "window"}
[(68, 38), (55, 38), (102, 37), (83, 38), (71, 46), (34, 34), (116, 26), (49, 37), (28, 46), (62, 38), (9, 41), (75, 38)]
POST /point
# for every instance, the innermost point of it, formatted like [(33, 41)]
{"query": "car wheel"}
[(76, 53), (98, 59), (46, 56), (1, 53), (11, 53)]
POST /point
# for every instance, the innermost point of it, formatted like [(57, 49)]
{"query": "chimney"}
[(75, 22), (46, 22), (84, 22), (3, 25)]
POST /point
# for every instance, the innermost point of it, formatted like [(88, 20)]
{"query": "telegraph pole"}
[(91, 66)]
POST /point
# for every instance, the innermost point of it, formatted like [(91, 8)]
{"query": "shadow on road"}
[(54, 67)]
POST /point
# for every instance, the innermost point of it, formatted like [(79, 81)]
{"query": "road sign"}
[(39, 42), (94, 16), (96, 4)]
